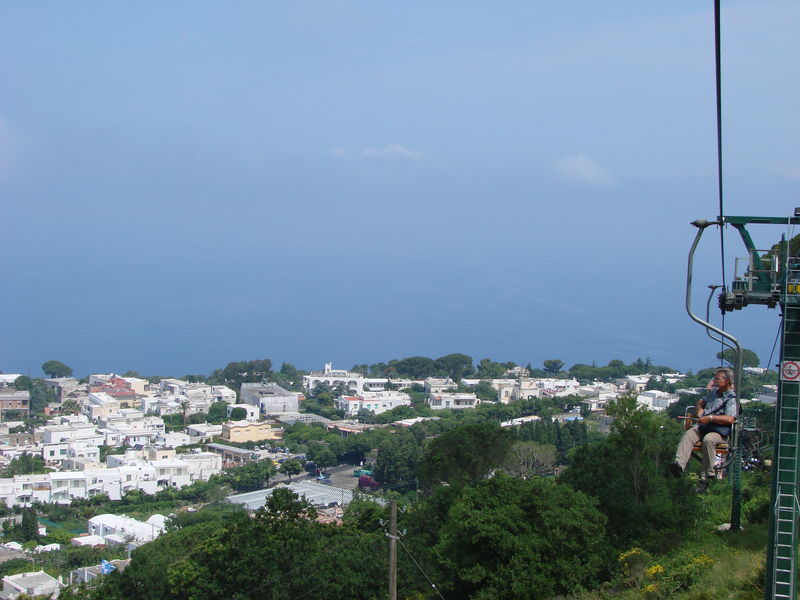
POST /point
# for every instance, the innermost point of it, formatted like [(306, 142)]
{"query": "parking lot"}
[(341, 476)]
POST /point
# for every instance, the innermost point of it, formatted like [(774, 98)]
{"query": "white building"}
[(456, 400), (439, 385), (251, 412), (353, 382), (656, 400), (37, 583), (204, 431), (100, 404), (270, 398), (118, 529), (375, 402)]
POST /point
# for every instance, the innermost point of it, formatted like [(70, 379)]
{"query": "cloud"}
[(583, 169), (337, 151), (391, 151)]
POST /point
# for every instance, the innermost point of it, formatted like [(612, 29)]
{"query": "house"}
[(16, 400), (100, 404), (439, 385), (270, 398), (37, 583), (119, 529), (204, 431), (251, 412), (457, 400), (242, 431), (87, 574), (375, 402), (352, 382), (656, 400)]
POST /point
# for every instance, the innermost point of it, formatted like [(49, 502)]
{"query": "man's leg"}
[(684, 451), (709, 452)]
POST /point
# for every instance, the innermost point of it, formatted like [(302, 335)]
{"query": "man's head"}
[(723, 377)]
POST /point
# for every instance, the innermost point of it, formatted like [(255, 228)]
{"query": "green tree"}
[(529, 459), (626, 473), (248, 477), (238, 413), (553, 366), (325, 457), (29, 527), (485, 391), (488, 369), (70, 406), (218, 412), (185, 404), (24, 464), (509, 538), (749, 358), (466, 454), (55, 368), (456, 366), (41, 396), (291, 467), (399, 457), (23, 383)]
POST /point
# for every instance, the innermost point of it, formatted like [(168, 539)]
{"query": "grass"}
[(708, 565)]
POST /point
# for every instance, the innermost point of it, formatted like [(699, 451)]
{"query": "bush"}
[(756, 510)]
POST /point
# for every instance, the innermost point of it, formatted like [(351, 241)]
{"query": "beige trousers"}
[(708, 451)]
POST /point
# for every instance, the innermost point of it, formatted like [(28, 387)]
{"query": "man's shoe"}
[(702, 486), (675, 469)]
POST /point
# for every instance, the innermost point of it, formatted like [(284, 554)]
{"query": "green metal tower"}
[(772, 278)]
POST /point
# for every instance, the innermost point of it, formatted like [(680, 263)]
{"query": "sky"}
[(188, 183)]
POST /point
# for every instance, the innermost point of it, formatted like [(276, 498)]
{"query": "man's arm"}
[(726, 420)]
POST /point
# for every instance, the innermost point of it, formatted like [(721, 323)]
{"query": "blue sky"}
[(183, 184)]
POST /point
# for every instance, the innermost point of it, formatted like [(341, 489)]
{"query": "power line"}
[(433, 585)]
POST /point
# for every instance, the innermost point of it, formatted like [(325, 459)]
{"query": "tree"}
[(626, 473), (485, 391), (325, 457), (509, 538), (291, 467), (553, 366), (248, 477), (455, 366), (488, 369), (466, 454), (238, 413), (185, 404), (29, 527), (23, 382), (70, 406), (749, 358), (528, 459), (217, 412), (55, 368)]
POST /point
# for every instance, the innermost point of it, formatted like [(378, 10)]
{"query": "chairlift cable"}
[(771, 354), (718, 72)]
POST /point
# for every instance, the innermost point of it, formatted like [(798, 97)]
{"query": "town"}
[(107, 438)]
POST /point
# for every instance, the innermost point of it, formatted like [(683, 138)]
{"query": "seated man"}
[(716, 413)]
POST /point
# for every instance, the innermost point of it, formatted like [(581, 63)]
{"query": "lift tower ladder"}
[(772, 278)]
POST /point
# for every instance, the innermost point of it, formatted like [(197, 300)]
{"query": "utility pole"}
[(392, 535)]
